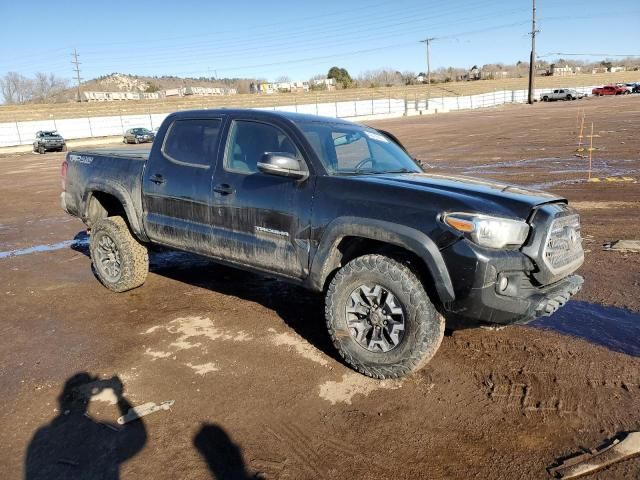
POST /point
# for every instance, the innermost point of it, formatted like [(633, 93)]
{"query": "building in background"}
[(327, 83), (172, 92)]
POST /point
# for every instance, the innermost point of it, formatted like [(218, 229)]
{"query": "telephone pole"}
[(532, 60), (76, 69), (428, 41)]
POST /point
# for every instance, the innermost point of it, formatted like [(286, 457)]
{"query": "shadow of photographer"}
[(75, 446)]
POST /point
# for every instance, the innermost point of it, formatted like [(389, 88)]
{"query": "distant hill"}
[(122, 82)]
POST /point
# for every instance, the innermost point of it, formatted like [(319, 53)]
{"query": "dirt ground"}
[(259, 391)]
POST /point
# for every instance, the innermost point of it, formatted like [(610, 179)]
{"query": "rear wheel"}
[(569, 97), (380, 318), (545, 99), (119, 260)]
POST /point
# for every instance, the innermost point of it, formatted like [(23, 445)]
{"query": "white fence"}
[(23, 133)]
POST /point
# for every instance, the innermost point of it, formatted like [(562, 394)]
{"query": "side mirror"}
[(282, 164)]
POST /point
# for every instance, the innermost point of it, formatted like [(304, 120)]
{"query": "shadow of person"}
[(74, 446), (223, 457)]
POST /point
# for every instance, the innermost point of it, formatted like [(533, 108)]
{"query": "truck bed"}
[(116, 171)]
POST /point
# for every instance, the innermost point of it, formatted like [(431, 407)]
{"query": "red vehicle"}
[(609, 90)]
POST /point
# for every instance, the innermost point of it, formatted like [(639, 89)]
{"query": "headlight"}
[(488, 231)]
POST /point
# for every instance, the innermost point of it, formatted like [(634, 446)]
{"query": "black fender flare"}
[(392, 233), (124, 197)]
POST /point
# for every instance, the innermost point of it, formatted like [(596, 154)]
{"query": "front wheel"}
[(120, 262), (41, 150), (380, 318)]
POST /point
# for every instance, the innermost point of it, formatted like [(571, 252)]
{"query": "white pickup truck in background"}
[(562, 94)]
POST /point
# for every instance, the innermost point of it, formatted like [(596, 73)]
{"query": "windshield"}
[(351, 149), (140, 130), (50, 134)]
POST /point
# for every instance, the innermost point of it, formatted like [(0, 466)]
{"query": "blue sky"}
[(299, 38)]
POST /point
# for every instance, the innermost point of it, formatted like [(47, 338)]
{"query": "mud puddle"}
[(552, 165), (617, 329), (78, 242)]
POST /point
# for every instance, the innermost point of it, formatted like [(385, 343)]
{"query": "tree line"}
[(41, 88)]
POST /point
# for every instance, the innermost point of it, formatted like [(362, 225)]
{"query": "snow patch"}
[(301, 346), (204, 368), (156, 354), (353, 384)]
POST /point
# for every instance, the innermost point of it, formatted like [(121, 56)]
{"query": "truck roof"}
[(266, 114)]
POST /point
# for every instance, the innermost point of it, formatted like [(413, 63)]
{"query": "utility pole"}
[(428, 41), (76, 69), (532, 60)]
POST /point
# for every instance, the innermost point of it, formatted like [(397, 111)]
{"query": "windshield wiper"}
[(373, 172), (398, 170)]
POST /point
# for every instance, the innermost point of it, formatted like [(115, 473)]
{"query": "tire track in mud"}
[(312, 455), (506, 368)]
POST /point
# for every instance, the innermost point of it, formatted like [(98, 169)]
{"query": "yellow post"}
[(580, 148)]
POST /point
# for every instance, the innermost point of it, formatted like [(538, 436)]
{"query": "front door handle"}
[(157, 179), (223, 189)]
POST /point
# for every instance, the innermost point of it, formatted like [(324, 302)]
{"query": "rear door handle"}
[(223, 189), (157, 179)]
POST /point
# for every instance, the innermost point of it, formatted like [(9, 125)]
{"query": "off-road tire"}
[(136, 141), (424, 326), (41, 150), (134, 257)]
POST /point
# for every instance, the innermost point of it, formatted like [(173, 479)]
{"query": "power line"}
[(285, 49), (336, 33), (588, 55), (322, 33), (76, 69), (325, 57)]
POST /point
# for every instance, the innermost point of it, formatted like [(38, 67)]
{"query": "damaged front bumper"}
[(497, 286)]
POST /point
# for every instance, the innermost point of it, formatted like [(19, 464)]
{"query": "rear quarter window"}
[(192, 142)]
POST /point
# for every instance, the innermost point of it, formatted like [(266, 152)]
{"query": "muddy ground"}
[(259, 390)]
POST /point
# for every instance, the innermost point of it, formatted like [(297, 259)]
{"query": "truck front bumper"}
[(495, 286)]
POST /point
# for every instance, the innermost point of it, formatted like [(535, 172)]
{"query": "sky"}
[(301, 38)]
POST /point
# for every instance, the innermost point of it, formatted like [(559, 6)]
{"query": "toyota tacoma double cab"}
[(338, 208)]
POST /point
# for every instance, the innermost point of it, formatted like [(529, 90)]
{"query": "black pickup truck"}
[(339, 208)]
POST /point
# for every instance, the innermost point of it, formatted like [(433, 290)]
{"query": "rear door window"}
[(193, 142)]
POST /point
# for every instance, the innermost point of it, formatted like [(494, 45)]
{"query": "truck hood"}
[(519, 200)]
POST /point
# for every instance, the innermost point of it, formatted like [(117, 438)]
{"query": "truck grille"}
[(563, 247)]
